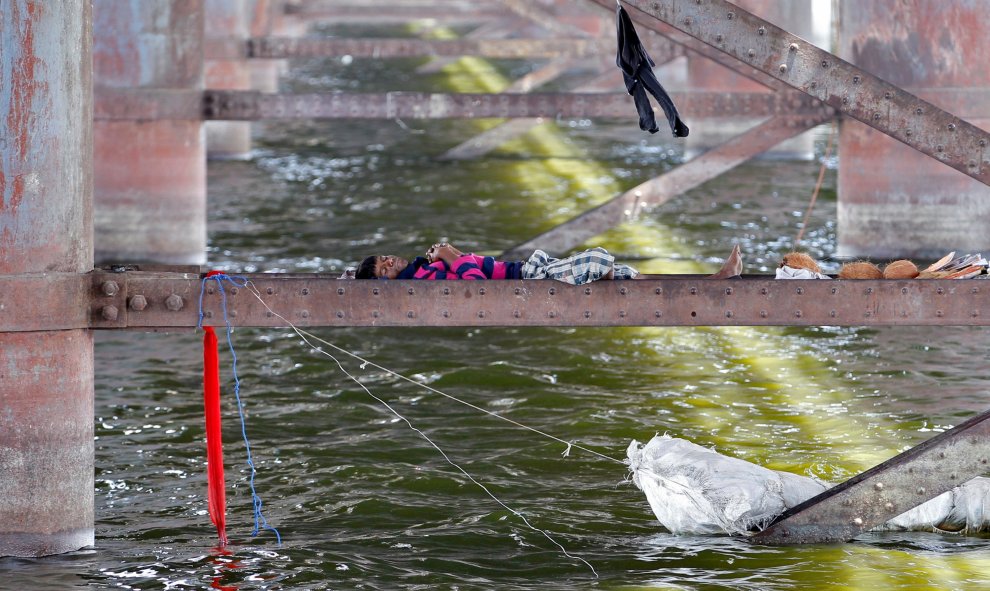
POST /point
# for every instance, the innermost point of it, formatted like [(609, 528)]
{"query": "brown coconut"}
[(902, 269), (799, 260), (860, 270)]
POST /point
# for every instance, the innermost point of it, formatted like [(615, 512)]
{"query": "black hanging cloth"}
[(637, 72)]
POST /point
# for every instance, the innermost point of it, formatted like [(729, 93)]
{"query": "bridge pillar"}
[(150, 175), (893, 201), (228, 21), (46, 378), (795, 16)]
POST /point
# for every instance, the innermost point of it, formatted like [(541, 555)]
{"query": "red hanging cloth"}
[(214, 442)]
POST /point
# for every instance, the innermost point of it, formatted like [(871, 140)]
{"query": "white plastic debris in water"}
[(696, 490)]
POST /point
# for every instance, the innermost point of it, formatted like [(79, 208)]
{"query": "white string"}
[(303, 335)]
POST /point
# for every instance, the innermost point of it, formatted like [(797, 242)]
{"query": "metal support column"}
[(228, 23), (46, 384)]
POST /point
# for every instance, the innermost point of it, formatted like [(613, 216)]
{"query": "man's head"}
[(381, 267)]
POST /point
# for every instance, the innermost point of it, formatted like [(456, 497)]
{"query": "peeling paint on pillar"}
[(228, 19), (46, 378), (150, 175), (893, 201)]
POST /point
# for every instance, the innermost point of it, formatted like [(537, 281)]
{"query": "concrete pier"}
[(228, 23), (46, 377), (150, 175), (894, 201)]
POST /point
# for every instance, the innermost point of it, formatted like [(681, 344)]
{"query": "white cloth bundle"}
[(696, 490)]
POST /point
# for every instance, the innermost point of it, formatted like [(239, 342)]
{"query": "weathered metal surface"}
[(441, 12), (382, 48), (654, 192), (851, 90), (46, 384), (153, 300), (227, 20), (895, 202), (240, 105), (149, 172), (883, 492)]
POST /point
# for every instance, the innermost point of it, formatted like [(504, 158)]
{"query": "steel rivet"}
[(138, 302), (953, 476), (856, 79), (876, 116), (517, 291), (728, 291), (269, 314), (888, 506), (376, 313), (797, 313), (869, 290), (782, 68), (340, 314), (764, 291), (731, 15), (551, 314), (446, 291), (845, 100), (878, 486), (983, 460), (482, 291), (793, 47), (921, 490), (940, 148), (832, 314), (940, 291), (622, 313), (762, 31), (587, 314), (411, 291), (233, 291), (622, 290), (210, 290), (857, 521), (975, 313), (908, 132), (952, 127), (110, 288), (516, 314), (694, 291), (410, 314), (305, 314), (814, 84), (174, 302), (983, 143), (658, 290), (208, 314), (687, 22), (109, 313), (728, 313), (903, 290), (270, 291), (375, 291), (446, 314), (919, 111), (481, 313), (824, 64), (305, 291), (658, 314), (718, 38), (938, 313), (763, 313), (972, 163), (941, 454), (340, 291), (835, 290), (974, 290), (800, 290), (587, 291), (751, 53), (551, 291)]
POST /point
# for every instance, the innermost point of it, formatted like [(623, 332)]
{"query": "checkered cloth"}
[(577, 269)]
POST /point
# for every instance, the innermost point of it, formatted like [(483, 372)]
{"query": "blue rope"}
[(238, 281)]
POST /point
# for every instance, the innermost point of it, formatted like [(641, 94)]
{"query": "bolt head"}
[(109, 313), (110, 288), (138, 303), (174, 302)]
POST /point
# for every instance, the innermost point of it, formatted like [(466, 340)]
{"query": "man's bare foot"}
[(732, 267)]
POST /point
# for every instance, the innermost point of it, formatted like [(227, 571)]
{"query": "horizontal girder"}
[(167, 300)]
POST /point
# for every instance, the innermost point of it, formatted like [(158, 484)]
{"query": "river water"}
[(361, 501)]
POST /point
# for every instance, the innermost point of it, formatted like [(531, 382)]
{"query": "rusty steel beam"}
[(250, 106), (627, 206), (146, 104), (383, 48), (151, 300), (883, 492), (830, 79)]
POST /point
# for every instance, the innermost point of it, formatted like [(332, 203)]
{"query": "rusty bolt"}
[(762, 31), (340, 291), (940, 148), (304, 313), (952, 127), (718, 38), (174, 302), (793, 47), (138, 303), (110, 288), (731, 15), (783, 68), (109, 313), (856, 79), (751, 53)]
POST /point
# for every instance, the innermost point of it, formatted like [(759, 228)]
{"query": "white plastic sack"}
[(785, 272), (695, 490)]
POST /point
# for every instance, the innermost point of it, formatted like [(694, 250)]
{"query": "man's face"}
[(389, 266)]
